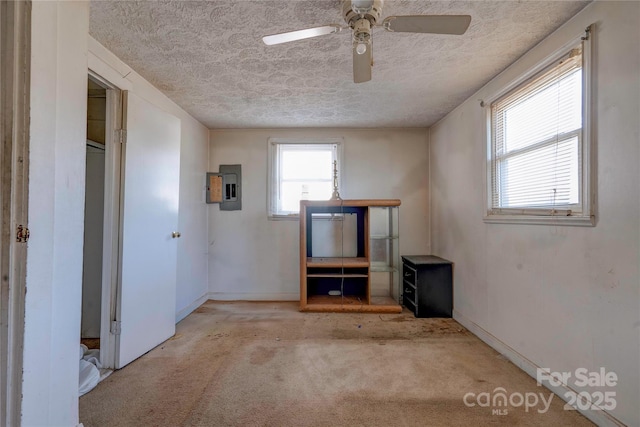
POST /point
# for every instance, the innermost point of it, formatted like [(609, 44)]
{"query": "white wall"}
[(56, 211), (59, 59), (192, 272), (194, 149), (560, 297), (251, 257)]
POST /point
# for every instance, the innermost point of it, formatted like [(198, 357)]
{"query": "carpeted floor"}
[(266, 364)]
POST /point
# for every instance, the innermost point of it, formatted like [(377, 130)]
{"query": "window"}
[(299, 170), (538, 148)]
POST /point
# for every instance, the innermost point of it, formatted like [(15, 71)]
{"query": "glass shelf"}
[(384, 252), (382, 268)]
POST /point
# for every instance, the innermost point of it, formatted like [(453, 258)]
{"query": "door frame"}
[(15, 41), (111, 238)]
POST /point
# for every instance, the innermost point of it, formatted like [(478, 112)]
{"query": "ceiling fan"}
[(361, 16)]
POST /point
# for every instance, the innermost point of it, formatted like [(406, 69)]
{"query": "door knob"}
[(175, 234)]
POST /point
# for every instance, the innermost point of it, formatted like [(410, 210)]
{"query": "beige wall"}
[(554, 296), (251, 257)]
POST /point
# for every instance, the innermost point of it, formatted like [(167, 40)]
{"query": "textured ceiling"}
[(209, 58)]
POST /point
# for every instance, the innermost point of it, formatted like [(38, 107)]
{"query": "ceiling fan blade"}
[(301, 34), (362, 64), (434, 24)]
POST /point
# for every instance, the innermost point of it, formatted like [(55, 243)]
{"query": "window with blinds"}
[(537, 143)]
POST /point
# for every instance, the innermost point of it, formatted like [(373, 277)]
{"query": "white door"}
[(147, 292)]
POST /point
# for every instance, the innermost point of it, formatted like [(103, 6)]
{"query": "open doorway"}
[(93, 216), (101, 233)]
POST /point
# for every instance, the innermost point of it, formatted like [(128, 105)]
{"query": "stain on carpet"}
[(262, 355)]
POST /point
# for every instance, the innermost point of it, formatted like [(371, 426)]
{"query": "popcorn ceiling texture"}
[(209, 58)]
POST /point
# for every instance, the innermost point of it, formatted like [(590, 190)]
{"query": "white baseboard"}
[(189, 309), (224, 296), (600, 418)]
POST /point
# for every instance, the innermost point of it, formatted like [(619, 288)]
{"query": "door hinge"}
[(121, 136), (22, 234), (116, 327)]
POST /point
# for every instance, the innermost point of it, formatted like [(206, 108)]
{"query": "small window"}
[(300, 170), (539, 153)]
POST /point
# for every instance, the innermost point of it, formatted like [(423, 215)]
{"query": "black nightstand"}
[(427, 285)]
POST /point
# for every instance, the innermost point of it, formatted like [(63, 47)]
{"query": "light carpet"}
[(266, 364)]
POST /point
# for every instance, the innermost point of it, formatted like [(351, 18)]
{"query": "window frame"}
[(545, 215), (273, 175)]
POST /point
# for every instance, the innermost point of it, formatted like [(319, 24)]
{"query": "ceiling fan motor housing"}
[(362, 31), (356, 10)]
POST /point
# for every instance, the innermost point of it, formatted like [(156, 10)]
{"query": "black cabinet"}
[(427, 285)]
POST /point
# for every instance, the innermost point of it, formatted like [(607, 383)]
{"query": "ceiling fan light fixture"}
[(361, 48)]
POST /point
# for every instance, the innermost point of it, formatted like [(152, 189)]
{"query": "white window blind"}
[(536, 146)]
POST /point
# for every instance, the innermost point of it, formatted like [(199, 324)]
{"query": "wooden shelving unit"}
[(338, 281), (338, 262)]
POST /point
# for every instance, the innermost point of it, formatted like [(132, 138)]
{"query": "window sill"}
[(584, 221), (316, 217), (281, 217)]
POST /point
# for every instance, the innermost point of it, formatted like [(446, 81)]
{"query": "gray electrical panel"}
[(224, 187)]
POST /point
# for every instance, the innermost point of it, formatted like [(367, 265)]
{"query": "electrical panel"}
[(224, 187)]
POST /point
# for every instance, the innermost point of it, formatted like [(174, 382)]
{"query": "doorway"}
[(93, 216), (91, 368), (101, 224)]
